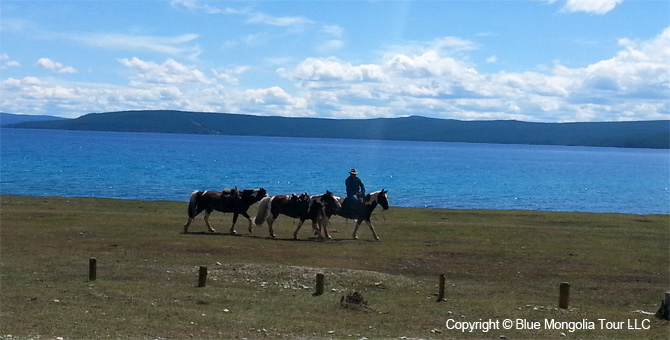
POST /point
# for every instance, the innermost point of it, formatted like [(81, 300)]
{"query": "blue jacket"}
[(354, 186)]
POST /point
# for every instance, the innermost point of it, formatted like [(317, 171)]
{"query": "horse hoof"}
[(273, 235)]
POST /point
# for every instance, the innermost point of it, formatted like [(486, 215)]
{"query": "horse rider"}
[(355, 188)]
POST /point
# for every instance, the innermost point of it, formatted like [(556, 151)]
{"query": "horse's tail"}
[(193, 203), (263, 208)]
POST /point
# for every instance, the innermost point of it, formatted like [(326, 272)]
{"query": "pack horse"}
[(228, 200), (303, 207)]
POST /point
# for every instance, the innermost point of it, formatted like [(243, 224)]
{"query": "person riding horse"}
[(355, 190)]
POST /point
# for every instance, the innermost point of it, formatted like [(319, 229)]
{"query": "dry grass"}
[(498, 264)]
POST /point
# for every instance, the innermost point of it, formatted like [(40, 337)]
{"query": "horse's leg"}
[(372, 228), (358, 224), (295, 233), (324, 226), (251, 222), (232, 228), (271, 220), (188, 224), (190, 219), (207, 213)]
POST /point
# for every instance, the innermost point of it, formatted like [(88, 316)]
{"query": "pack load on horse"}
[(303, 207), (227, 200), (357, 209)]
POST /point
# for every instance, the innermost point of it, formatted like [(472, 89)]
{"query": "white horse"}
[(357, 210)]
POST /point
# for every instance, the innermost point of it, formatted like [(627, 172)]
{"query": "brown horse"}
[(302, 207), (357, 210), (227, 200)]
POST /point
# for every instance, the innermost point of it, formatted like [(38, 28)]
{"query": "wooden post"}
[(663, 313), (440, 296), (319, 284), (564, 295), (202, 276), (92, 269)]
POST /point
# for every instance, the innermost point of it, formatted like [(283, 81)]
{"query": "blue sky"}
[(531, 60)]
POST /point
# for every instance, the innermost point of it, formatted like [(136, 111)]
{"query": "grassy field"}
[(498, 265)]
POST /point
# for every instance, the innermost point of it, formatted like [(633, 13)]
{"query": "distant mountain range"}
[(641, 134)]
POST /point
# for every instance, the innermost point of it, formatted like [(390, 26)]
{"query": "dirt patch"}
[(355, 301)]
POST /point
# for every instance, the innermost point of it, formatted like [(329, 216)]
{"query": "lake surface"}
[(417, 174)]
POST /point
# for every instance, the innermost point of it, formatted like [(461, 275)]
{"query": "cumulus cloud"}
[(170, 72), (57, 67), (434, 83), (271, 101), (332, 69), (632, 84)]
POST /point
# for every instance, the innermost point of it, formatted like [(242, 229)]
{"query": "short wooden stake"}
[(92, 269), (319, 284), (202, 276), (663, 313), (440, 296), (564, 295)]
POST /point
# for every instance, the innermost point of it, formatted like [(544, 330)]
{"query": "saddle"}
[(230, 196), (230, 192), (353, 207), (298, 204)]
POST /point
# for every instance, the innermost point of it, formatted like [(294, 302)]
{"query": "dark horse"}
[(357, 210), (302, 207), (228, 200)]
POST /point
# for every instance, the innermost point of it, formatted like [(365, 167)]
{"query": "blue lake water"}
[(417, 174)]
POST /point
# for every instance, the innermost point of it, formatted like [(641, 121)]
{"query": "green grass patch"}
[(498, 265)]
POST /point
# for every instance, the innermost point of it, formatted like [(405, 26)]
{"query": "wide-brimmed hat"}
[(353, 172)]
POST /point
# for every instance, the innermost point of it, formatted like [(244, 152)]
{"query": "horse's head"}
[(330, 201), (262, 193), (255, 195), (382, 199)]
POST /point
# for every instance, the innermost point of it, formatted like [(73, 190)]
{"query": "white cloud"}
[(230, 75), (57, 67), (182, 45), (252, 17), (633, 84), (332, 69), (271, 101), (170, 72), (262, 18), (7, 62), (590, 6)]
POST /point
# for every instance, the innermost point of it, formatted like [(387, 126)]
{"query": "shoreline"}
[(376, 211)]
